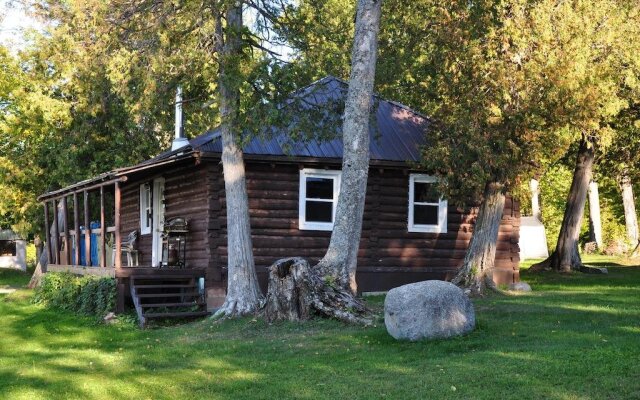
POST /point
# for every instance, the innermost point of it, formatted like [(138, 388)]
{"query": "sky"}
[(13, 22)]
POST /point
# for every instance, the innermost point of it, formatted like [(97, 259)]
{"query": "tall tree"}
[(621, 161), (243, 293), (329, 288), (473, 67), (596, 68), (492, 111), (341, 258), (566, 255)]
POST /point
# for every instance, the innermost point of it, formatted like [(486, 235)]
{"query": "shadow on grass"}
[(546, 344)]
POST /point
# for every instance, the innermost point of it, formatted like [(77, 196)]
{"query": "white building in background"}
[(13, 250), (533, 240)]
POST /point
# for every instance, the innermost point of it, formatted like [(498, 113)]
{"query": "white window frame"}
[(146, 205), (441, 226), (305, 173)]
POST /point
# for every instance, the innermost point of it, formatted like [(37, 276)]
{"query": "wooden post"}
[(65, 225), (118, 258), (76, 227), (87, 231), (103, 231), (56, 233), (47, 234)]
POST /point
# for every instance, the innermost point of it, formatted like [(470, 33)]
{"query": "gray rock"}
[(429, 309), (520, 287), (110, 318)]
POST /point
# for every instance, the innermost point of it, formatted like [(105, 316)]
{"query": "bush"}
[(86, 295)]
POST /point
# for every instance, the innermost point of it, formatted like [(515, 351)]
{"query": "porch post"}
[(65, 224), (87, 231), (103, 232), (56, 233), (76, 227), (47, 234), (118, 258)]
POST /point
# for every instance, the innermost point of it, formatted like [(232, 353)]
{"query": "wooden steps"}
[(167, 296), (177, 314)]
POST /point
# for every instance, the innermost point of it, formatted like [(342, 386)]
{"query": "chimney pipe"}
[(179, 140)]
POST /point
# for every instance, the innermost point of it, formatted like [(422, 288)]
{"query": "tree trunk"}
[(295, 290), (534, 185), (595, 225), (43, 248), (630, 217), (566, 257), (476, 273), (39, 247), (41, 269), (243, 293), (342, 255)]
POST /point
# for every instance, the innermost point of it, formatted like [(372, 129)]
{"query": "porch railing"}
[(63, 239)]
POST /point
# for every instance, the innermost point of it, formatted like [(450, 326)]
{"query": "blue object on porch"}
[(94, 244), (93, 247)]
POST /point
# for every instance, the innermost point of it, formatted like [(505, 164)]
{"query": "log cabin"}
[(164, 219)]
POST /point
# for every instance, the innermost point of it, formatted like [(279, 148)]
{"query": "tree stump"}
[(296, 292), (40, 270)]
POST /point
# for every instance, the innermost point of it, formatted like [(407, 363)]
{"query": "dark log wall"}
[(186, 195), (389, 255)]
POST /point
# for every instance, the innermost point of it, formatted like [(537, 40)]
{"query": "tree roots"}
[(297, 291), (552, 263)]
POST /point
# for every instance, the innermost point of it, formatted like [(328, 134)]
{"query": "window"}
[(8, 248), (146, 209), (427, 210), (318, 197)]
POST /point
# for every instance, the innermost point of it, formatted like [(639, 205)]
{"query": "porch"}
[(153, 276), (84, 233)]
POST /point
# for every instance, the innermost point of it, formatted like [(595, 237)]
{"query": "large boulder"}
[(429, 309)]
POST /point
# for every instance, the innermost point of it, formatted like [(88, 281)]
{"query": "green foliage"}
[(511, 84), (31, 256), (611, 213), (86, 295), (554, 188), (95, 91), (13, 278)]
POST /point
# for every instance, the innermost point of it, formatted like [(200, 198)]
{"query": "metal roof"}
[(397, 133), (8, 234)]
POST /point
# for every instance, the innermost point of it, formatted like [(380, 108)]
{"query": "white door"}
[(158, 222)]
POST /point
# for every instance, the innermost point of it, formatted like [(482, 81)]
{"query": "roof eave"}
[(111, 177)]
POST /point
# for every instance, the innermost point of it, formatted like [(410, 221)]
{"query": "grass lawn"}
[(573, 337)]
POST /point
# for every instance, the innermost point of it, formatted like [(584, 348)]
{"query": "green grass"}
[(11, 278), (573, 337)]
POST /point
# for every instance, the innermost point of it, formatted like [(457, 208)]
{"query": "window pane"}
[(319, 188), (425, 215), (425, 192), (319, 211)]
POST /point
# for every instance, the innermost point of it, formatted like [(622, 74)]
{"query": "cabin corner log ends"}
[(296, 292)]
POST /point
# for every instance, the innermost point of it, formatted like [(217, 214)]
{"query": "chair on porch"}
[(128, 248)]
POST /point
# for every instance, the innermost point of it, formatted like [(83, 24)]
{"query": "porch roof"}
[(117, 175)]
